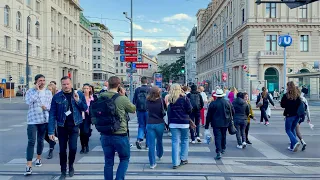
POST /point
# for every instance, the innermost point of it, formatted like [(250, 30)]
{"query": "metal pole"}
[(10, 90), (131, 68), (27, 61), (285, 69), (186, 71), (224, 51)]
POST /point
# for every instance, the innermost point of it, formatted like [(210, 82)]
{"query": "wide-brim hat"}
[(219, 93)]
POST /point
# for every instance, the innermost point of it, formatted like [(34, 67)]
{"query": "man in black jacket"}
[(219, 114), (197, 104)]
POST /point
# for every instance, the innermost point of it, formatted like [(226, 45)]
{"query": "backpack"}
[(302, 109), (104, 114), (195, 101), (141, 103)]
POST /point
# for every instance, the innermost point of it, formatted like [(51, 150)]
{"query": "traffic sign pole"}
[(131, 77)]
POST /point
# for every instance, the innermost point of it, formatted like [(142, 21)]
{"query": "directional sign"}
[(131, 43), (3, 81), (124, 50), (131, 70), (130, 58), (142, 65), (285, 40), (133, 65)]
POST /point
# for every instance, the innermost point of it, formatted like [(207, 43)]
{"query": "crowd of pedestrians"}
[(63, 115)]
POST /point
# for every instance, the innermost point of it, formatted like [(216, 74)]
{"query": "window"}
[(29, 26), (38, 6), (7, 42), (240, 45), (38, 31), (29, 2), (98, 41), (271, 42), (8, 66), (94, 57), (117, 58), (18, 21), (242, 15), (94, 49), (6, 15), (117, 71), (304, 43), (99, 49), (229, 54), (121, 70), (304, 12), (94, 41), (116, 64), (19, 45), (178, 51), (121, 64), (98, 57), (38, 51), (271, 9), (94, 65), (30, 49), (20, 67), (52, 39), (95, 34), (99, 66)]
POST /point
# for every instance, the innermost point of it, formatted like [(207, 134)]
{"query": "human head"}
[(245, 96), (233, 89), (264, 92), (41, 80), (52, 88), (53, 82), (292, 91), (193, 87), (175, 93), (86, 89), (304, 90), (114, 82), (154, 93), (92, 89), (66, 84), (144, 80), (240, 95), (201, 88), (106, 84), (185, 88)]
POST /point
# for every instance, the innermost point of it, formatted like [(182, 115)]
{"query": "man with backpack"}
[(140, 100), (197, 104), (108, 114)]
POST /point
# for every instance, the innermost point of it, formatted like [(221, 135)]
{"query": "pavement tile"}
[(128, 177), (304, 170), (254, 169)]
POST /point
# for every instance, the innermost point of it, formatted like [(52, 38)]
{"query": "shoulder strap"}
[(114, 97)]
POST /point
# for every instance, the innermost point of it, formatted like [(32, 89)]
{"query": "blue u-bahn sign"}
[(285, 40)]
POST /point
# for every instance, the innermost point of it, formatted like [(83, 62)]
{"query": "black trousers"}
[(67, 136), (263, 115), (220, 138), (247, 131), (49, 141)]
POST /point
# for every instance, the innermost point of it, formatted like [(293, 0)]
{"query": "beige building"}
[(251, 39), (54, 49), (119, 66)]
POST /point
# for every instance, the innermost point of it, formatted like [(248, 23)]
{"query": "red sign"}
[(131, 58), (224, 76), (130, 43), (142, 65), (131, 51)]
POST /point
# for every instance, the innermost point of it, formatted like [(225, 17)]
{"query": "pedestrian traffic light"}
[(224, 77), (182, 69), (10, 78)]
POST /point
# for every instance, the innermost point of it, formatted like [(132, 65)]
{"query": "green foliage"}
[(172, 71)]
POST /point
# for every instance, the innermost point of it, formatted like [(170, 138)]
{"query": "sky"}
[(155, 22)]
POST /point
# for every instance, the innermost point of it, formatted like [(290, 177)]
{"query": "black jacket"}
[(201, 100), (241, 109), (290, 106), (219, 113), (265, 101)]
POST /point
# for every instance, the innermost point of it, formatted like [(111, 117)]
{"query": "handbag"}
[(231, 128), (260, 103)]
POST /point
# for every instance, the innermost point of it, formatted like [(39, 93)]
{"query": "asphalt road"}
[(267, 158)]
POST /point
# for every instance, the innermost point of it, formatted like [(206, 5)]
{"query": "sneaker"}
[(248, 142), (138, 144), (175, 167), (239, 146), (28, 171), (296, 146), (153, 166), (223, 151), (289, 148), (38, 163), (169, 133), (261, 123), (71, 171), (199, 140), (218, 157), (244, 145), (131, 145), (193, 142), (183, 162), (159, 158), (147, 148), (267, 123), (63, 176), (304, 145), (50, 154)]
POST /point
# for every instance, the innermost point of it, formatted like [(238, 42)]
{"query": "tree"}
[(172, 71)]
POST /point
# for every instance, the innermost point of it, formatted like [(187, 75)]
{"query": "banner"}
[(158, 80), (256, 88)]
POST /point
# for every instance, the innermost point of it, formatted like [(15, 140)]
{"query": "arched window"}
[(6, 15), (38, 31), (18, 23), (29, 26)]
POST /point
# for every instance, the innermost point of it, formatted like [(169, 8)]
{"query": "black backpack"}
[(104, 114), (141, 102), (195, 101), (302, 109)]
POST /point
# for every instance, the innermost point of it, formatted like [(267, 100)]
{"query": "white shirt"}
[(204, 97), (42, 95)]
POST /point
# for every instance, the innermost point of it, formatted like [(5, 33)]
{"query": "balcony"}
[(270, 54)]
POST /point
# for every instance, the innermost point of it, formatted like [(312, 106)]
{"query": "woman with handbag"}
[(179, 122), (155, 125), (263, 100)]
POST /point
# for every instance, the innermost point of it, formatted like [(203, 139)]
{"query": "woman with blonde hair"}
[(232, 94), (291, 102), (179, 122)]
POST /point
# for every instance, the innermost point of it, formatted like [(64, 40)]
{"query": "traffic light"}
[(182, 69), (224, 77), (10, 78)]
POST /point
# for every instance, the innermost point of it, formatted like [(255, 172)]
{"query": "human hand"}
[(37, 86), (122, 91), (44, 108), (52, 137), (76, 96), (308, 121)]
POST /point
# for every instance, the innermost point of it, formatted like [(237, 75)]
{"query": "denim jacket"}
[(59, 106)]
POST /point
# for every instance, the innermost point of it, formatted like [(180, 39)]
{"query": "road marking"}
[(98, 177), (17, 125), (267, 150), (165, 149), (5, 130), (19, 161), (5, 177)]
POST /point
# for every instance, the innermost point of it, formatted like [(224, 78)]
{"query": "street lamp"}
[(27, 62)]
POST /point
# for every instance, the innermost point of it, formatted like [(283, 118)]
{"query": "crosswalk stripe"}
[(98, 177), (5, 130), (5, 177), (165, 149)]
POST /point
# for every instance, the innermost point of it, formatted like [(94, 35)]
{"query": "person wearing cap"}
[(219, 115), (39, 100)]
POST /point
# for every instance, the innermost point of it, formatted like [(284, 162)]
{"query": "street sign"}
[(3, 81), (131, 70), (133, 65), (131, 43), (285, 40), (124, 58), (142, 65), (158, 79), (124, 50)]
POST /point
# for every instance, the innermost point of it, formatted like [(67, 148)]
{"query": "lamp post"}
[(27, 55), (131, 38)]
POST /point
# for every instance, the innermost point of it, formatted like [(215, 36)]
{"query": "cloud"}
[(155, 46), (178, 17), (153, 30), (136, 26)]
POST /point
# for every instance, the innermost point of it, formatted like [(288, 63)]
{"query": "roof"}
[(116, 47), (173, 50)]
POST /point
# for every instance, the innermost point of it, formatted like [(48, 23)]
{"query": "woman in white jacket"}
[(304, 144)]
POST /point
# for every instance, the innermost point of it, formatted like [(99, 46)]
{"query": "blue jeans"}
[(155, 131), (111, 144), (179, 135), (195, 117), (290, 125), (35, 132), (142, 121)]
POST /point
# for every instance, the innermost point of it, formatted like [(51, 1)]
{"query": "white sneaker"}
[(169, 133), (239, 147), (199, 140), (193, 142), (244, 144), (296, 146), (289, 149), (153, 166)]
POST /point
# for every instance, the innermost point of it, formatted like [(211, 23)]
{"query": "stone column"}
[(261, 72)]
